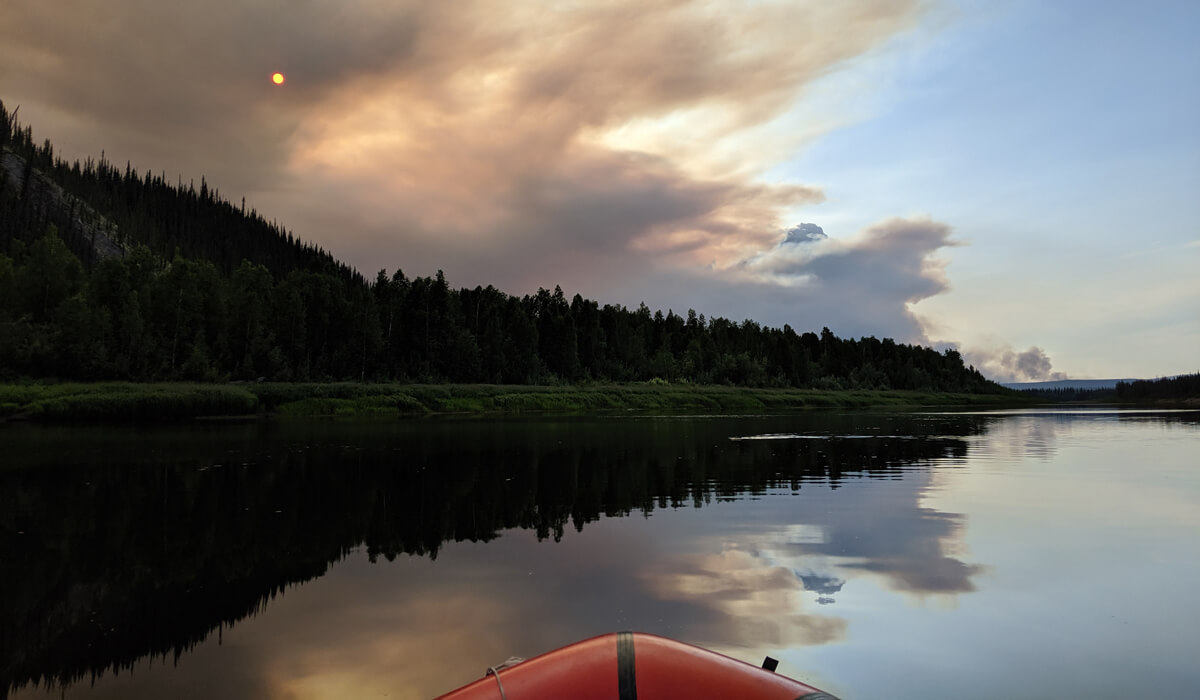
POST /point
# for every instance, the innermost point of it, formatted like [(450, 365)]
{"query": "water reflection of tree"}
[(106, 564)]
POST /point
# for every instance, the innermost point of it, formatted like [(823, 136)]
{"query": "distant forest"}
[(1181, 387), (1069, 394), (106, 273)]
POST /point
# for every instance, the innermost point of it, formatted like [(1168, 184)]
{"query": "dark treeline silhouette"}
[(106, 274), (1185, 386), (163, 540), (1069, 394)]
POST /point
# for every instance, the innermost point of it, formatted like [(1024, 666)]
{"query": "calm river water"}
[(922, 555)]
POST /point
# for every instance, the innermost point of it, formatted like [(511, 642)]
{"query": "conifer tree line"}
[(200, 289), (1180, 387), (1068, 394)]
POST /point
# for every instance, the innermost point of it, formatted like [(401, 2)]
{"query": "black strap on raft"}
[(770, 664), (626, 676)]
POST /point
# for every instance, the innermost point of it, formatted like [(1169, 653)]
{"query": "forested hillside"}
[(108, 273)]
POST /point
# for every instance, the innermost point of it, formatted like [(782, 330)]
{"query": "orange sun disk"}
[(278, 78)]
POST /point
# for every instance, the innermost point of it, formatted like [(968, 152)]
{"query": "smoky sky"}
[(860, 285), (1009, 365), (618, 149)]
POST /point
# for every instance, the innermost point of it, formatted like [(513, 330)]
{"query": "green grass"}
[(339, 399), (124, 401)]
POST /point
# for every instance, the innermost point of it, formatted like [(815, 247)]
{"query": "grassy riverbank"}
[(125, 401)]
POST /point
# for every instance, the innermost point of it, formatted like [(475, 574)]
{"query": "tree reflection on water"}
[(119, 544)]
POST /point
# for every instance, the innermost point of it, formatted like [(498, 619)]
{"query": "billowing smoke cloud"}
[(612, 147), (805, 233), (1009, 365), (864, 284)]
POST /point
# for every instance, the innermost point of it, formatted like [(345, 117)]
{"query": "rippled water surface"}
[(1001, 554)]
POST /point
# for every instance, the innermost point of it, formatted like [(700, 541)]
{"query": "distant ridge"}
[(1067, 384)]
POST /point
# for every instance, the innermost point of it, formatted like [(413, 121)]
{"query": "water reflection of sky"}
[(745, 577), (1057, 558)]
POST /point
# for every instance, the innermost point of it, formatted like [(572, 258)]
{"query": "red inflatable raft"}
[(634, 666)]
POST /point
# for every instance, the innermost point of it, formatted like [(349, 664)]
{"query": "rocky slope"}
[(66, 211)]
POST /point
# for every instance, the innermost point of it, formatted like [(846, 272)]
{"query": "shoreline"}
[(175, 401)]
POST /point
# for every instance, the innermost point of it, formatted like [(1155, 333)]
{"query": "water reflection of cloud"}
[(1023, 437), (827, 585), (757, 602), (884, 530), (1039, 433), (406, 636), (943, 575), (745, 575)]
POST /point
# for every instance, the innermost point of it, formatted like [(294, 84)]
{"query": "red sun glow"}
[(278, 78)]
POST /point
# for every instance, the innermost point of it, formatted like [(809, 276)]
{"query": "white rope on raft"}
[(495, 671)]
